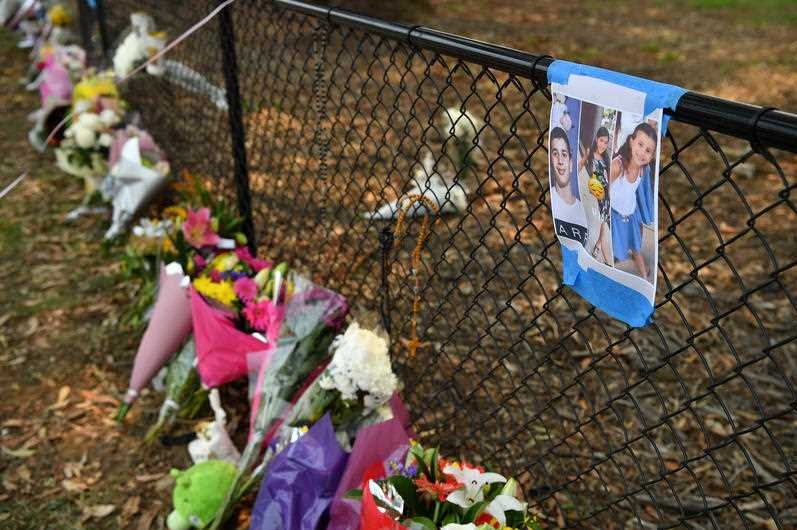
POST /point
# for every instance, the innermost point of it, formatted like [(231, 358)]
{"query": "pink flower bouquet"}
[(239, 311)]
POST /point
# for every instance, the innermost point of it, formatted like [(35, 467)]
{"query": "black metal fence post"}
[(85, 22), (237, 134), (102, 25)]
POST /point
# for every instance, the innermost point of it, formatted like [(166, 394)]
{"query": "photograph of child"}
[(631, 191), (568, 213), (595, 146)]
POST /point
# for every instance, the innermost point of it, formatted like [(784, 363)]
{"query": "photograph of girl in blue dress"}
[(595, 146), (631, 188)]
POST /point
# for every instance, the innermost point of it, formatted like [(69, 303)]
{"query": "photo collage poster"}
[(603, 167)]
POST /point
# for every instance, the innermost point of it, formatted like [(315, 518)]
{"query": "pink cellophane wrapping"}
[(221, 348), (374, 445), (56, 84), (168, 328)]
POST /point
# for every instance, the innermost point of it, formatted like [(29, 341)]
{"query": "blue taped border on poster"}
[(604, 146), (658, 95)]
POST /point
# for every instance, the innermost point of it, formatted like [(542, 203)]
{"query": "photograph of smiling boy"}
[(595, 147), (631, 181), (568, 213)]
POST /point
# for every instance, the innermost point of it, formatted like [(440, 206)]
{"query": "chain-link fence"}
[(688, 422)]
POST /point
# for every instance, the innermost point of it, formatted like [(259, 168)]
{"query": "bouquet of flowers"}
[(139, 46), (138, 170), (425, 491), (148, 245), (96, 92), (184, 396), (142, 43), (56, 28), (300, 482), (312, 318), (374, 444), (29, 17), (58, 66), (236, 304), (356, 383), (96, 112), (191, 237), (351, 392), (85, 147)]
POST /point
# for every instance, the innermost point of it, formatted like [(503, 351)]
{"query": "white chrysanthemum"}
[(127, 55), (138, 46), (360, 364), (90, 120), (109, 117), (85, 137), (105, 140)]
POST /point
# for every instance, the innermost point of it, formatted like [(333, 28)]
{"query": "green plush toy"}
[(198, 493)]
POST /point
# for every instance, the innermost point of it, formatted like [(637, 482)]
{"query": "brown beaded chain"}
[(414, 343)]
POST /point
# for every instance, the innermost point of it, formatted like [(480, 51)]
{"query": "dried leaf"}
[(14, 423), (72, 485), (131, 507), (99, 398), (8, 485), (145, 522), (24, 473), (148, 478), (63, 396), (33, 326), (22, 452), (99, 511)]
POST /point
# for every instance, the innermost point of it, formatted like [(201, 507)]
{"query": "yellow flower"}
[(167, 247), (94, 87), (224, 262), (178, 213), (222, 292), (58, 15)]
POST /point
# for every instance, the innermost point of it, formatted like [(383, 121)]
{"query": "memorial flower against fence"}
[(358, 382), (424, 491), (84, 150), (59, 67), (139, 46), (95, 113), (352, 392), (190, 236), (138, 172), (313, 316)]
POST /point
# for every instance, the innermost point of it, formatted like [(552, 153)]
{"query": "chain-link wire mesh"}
[(688, 422)]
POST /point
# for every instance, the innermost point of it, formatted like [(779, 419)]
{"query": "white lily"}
[(503, 503), (473, 481)]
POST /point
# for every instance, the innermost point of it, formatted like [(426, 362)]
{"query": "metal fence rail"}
[(688, 422)]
